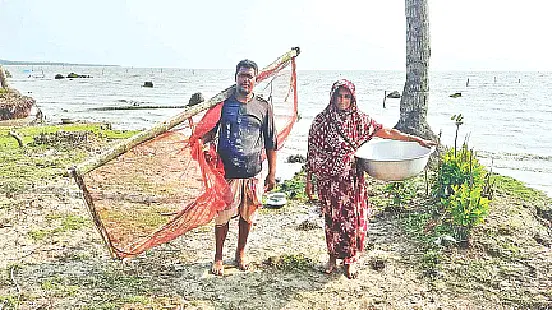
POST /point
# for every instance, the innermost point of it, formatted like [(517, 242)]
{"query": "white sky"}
[(346, 34)]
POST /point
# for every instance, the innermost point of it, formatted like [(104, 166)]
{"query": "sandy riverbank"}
[(53, 256)]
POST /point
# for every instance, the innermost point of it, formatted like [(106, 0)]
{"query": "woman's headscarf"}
[(335, 135), (343, 83)]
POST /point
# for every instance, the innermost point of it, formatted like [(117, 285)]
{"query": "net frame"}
[(213, 106)]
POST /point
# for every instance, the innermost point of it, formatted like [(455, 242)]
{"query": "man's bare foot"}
[(241, 261), (350, 271), (217, 268)]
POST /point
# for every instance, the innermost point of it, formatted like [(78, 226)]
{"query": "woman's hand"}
[(397, 135), (309, 189), (426, 143)]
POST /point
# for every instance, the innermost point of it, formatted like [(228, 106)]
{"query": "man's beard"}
[(242, 91)]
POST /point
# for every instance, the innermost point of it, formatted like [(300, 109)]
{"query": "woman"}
[(335, 135)]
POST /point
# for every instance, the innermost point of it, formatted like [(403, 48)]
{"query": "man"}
[(245, 128)]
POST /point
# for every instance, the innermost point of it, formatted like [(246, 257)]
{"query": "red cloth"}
[(217, 192)]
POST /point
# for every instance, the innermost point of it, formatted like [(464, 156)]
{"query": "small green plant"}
[(9, 301), (462, 188), (467, 208), (402, 193), (294, 188), (457, 169), (431, 258)]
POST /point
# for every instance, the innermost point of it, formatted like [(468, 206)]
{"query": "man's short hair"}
[(247, 64)]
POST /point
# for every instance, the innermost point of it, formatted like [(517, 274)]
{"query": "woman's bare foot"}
[(217, 268), (241, 261), (331, 265), (350, 271)]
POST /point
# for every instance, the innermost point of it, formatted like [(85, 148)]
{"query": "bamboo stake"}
[(12, 277), (17, 137), (94, 214)]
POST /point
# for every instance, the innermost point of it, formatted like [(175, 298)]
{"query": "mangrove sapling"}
[(458, 121)]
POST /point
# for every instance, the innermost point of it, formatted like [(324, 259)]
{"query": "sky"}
[(333, 35)]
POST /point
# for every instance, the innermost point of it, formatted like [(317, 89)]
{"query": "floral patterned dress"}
[(334, 137)]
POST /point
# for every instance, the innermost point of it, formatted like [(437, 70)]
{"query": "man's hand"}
[(270, 182)]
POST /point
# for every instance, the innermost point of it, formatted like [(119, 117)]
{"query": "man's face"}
[(343, 99), (245, 81)]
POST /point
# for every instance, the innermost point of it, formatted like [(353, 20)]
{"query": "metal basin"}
[(392, 160), (276, 200)]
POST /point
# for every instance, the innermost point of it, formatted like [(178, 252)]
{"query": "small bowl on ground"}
[(276, 200)]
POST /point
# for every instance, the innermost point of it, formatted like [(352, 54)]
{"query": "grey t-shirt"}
[(244, 130)]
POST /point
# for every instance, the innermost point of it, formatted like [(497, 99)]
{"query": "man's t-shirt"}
[(244, 130)]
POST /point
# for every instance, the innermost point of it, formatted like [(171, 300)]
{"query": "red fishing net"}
[(168, 185)]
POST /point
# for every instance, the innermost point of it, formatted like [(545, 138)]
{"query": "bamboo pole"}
[(138, 107), (163, 127), (95, 215)]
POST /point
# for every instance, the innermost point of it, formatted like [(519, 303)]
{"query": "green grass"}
[(137, 299), (290, 262), (58, 287), (9, 301), (72, 222), (40, 234), (34, 163), (143, 219), (294, 188), (517, 189), (69, 223), (97, 129)]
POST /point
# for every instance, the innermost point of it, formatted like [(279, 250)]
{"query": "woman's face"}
[(343, 99)]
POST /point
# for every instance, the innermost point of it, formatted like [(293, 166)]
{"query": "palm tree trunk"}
[(414, 100)]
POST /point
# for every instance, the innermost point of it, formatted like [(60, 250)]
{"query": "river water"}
[(507, 114)]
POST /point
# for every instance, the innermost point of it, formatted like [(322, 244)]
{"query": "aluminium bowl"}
[(392, 160)]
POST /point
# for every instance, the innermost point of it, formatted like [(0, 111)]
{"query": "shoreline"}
[(283, 174), (56, 254), (487, 106)]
